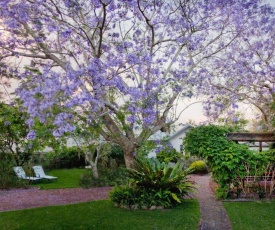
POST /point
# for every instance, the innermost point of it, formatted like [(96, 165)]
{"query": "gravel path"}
[(213, 214), (16, 199)]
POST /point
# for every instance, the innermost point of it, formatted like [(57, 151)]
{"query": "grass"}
[(102, 215), (251, 215), (67, 178)]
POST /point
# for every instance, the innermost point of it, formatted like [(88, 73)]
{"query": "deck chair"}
[(19, 171), (39, 172)]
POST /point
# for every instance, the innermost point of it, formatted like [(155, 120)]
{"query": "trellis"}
[(266, 180), (259, 137)]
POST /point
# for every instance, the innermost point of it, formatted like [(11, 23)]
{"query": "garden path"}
[(213, 214), (16, 199)]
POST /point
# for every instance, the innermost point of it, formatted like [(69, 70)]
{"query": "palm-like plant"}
[(150, 174)]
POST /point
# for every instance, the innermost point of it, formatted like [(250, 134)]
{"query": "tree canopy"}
[(13, 135), (124, 65)]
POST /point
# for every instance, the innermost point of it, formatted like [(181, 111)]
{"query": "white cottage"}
[(175, 139)]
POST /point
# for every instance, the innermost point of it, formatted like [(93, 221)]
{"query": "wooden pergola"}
[(259, 137)]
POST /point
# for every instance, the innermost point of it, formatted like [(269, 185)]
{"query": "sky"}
[(271, 2)]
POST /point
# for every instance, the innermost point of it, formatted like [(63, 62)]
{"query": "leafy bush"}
[(231, 162), (8, 179), (13, 134), (199, 167), (140, 198), (67, 157), (117, 154), (123, 195), (226, 159), (222, 193), (169, 155), (108, 177), (153, 183)]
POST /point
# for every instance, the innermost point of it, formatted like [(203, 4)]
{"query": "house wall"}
[(176, 142)]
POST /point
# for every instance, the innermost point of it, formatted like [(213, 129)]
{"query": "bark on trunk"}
[(130, 160), (93, 163), (95, 171)]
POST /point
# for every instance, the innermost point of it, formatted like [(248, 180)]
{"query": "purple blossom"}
[(101, 59), (7, 123), (31, 135)]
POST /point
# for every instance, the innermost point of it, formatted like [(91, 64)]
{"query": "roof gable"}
[(182, 130)]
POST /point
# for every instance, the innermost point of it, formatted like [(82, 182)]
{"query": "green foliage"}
[(145, 148), (206, 141), (117, 154), (108, 177), (153, 182), (140, 198), (67, 157), (8, 179), (236, 123), (124, 195), (151, 173), (226, 159), (199, 167), (13, 135), (222, 193), (169, 155)]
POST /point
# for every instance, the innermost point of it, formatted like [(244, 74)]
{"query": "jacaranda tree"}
[(245, 72), (122, 64)]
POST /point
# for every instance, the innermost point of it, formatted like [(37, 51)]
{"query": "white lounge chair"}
[(39, 172), (21, 174)]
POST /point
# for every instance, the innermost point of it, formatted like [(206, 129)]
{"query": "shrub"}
[(198, 167), (169, 155), (222, 193), (108, 177), (140, 198), (226, 159), (123, 195), (153, 183), (8, 179), (67, 157), (117, 154)]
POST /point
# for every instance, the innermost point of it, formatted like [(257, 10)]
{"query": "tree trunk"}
[(92, 162), (94, 170), (130, 161)]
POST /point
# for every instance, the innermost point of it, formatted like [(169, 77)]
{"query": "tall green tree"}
[(13, 134)]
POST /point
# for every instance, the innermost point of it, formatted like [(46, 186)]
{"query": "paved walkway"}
[(213, 214)]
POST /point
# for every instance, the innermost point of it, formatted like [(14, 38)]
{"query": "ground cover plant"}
[(102, 215), (251, 215)]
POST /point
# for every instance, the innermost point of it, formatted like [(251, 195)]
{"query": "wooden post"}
[(260, 146)]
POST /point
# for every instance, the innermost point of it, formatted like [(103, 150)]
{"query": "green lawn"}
[(67, 178), (251, 215), (102, 215)]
